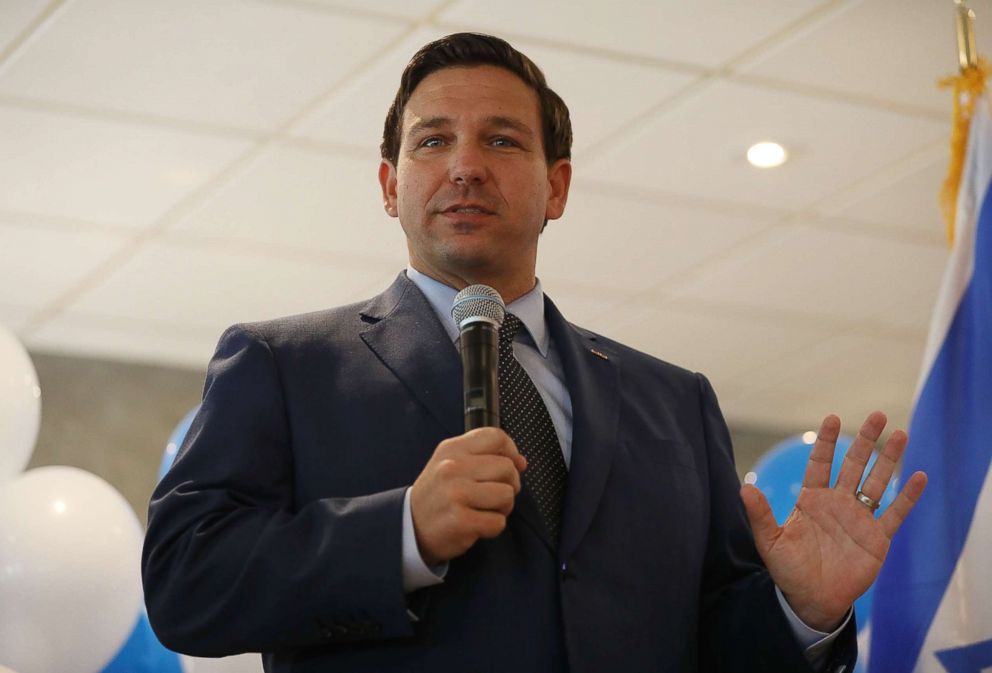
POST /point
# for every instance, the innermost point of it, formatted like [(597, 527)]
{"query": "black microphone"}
[(478, 311)]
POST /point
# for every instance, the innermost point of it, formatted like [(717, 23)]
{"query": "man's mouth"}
[(469, 209)]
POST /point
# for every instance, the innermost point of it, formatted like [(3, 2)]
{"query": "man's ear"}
[(387, 180), (559, 179)]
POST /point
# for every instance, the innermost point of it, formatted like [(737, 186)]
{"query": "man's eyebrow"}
[(497, 121), (510, 123), (431, 123)]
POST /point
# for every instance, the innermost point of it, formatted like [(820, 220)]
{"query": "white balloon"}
[(70, 583), (20, 406), (241, 663)]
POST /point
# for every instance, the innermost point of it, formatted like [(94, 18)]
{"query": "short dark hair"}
[(474, 49)]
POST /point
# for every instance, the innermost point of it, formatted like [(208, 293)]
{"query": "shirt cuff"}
[(816, 644), (416, 573)]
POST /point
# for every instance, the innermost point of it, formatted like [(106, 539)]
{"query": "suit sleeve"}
[(230, 565), (742, 626)]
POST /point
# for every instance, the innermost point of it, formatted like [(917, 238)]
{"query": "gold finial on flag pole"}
[(967, 57), (968, 85)]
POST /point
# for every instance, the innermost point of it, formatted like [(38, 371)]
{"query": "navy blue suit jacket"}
[(278, 529)]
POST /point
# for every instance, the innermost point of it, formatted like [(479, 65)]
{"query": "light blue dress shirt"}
[(534, 350)]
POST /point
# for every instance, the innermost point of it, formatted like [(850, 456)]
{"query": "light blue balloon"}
[(780, 472), (142, 653), (175, 441)]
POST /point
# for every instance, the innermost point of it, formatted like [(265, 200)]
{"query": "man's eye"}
[(503, 142), (433, 141)]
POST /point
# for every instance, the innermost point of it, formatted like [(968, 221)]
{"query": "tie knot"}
[(508, 331)]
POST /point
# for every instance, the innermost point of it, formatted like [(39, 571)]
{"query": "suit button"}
[(566, 572)]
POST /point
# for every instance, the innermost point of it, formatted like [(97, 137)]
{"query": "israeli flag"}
[(932, 610)]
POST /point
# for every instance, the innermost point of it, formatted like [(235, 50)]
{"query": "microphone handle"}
[(480, 374)]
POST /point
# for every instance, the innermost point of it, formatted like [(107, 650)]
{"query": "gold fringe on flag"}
[(968, 86)]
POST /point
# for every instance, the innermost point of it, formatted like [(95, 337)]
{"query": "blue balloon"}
[(779, 474), (175, 441), (142, 653)]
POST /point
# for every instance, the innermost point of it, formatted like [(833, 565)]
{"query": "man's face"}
[(471, 186)]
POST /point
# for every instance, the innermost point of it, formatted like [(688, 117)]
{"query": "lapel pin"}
[(596, 352)]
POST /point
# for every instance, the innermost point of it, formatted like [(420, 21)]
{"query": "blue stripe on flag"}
[(969, 659), (951, 440)]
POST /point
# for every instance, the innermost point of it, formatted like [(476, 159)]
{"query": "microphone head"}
[(478, 302)]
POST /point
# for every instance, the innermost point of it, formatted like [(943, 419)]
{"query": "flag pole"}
[(967, 56)]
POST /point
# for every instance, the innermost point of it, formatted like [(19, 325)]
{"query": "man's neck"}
[(510, 289), (529, 308)]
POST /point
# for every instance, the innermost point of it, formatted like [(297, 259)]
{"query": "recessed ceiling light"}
[(766, 155), (809, 437)]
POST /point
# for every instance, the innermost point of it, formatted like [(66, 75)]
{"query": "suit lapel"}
[(592, 376), (407, 337), (525, 506)]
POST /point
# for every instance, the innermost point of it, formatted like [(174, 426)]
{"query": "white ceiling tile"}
[(16, 16), (722, 344), (408, 9), (848, 375), (634, 245), (895, 50), (910, 201), (698, 146), (355, 114), (239, 63), (305, 199), (707, 33), (820, 272), (14, 318), (101, 171), (213, 288), (37, 265), (581, 81)]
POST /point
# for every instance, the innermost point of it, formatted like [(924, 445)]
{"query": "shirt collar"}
[(528, 308)]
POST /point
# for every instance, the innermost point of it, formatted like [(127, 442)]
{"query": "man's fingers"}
[(881, 471), (860, 451), (759, 513), (490, 441), (897, 512), (491, 497), (494, 469), (489, 524), (821, 458)]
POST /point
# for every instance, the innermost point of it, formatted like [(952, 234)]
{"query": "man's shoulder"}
[(324, 327), (633, 359)]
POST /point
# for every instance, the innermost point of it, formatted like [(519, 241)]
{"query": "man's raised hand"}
[(831, 547)]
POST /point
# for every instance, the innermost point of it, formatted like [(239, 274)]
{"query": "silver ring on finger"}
[(867, 501)]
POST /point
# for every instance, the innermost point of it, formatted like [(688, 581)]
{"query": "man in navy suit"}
[(328, 511)]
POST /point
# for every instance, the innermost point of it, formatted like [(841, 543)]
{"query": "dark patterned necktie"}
[(525, 418)]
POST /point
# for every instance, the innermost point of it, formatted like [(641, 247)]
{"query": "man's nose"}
[(468, 165)]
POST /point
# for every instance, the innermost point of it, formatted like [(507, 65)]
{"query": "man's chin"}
[(467, 255)]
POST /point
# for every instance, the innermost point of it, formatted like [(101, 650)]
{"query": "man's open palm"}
[(831, 547)]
